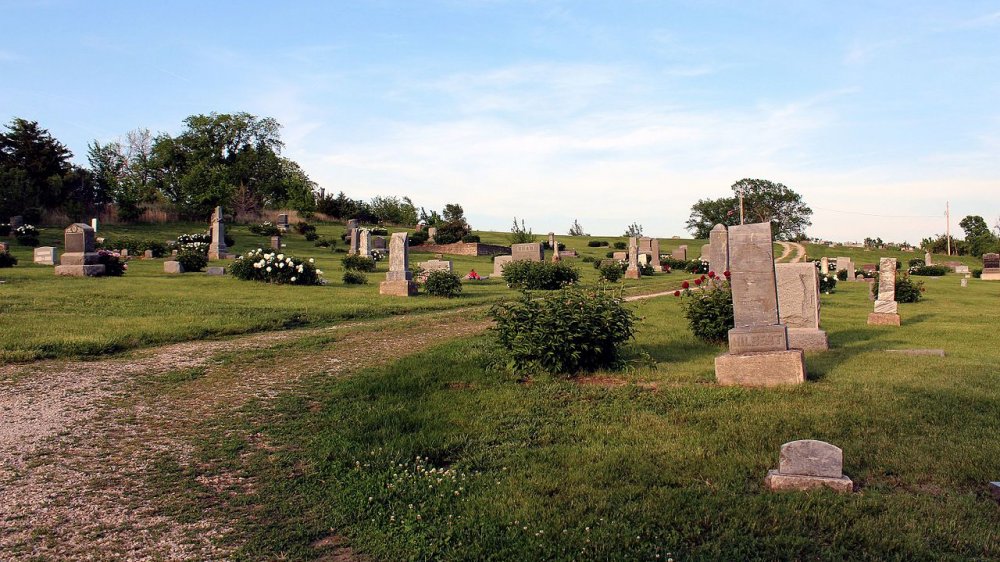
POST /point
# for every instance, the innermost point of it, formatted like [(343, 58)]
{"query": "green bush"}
[(357, 262), (535, 275), (26, 235), (471, 238), (192, 260), (443, 284), (977, 273), (304, 228), (929, 270), (907, 290), (620, 245), (355, 278), (379, 231), (114, 266), (311, 236), (567, 332), (7, 260), (612, 271), (698, 266), (708, 307), (272, 267), (597, 243), (136, 246), (547, 246), (323, 243), (265, 228), (842, 274), (646, 269), (916, 262), (418, 238), (587, 259), (609, 255), (827, 284)]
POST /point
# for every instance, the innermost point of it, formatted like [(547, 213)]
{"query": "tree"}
[(35, 171), (576, 229), (122, 172), (634, 229), (978, 236), (520, 234), (707, 213), (763, 201), (393, 210), (453, 212), (454, 227)]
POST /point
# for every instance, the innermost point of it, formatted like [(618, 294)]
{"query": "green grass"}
[(48, 316), (669, 465), (861, 256)]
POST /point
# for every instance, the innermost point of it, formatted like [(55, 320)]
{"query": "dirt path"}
[(80, 440), (786, 250)]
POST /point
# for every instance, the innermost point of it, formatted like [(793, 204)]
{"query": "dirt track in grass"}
[(80, 440)]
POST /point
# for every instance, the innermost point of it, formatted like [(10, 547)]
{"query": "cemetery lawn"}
[(437, 456), (46, 316)]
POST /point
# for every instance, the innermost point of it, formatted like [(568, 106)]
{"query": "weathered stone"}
[(961, 269), (965, 282), (883, 319), (78, 238), (885, 303), (171, 266), (995, 490), (352, 241), (718, 254), (352, 224), (751, 262), (434, 265), (928, 258), (681, 253), (706, 252), (824, 265), (651, 247), (799, 305), (365, 242), (632, 271), (809, 464), (499, 262), (215, 271), (91, 270), (432, 235), (378, 243), (554, 244), (808, 339), (80, 259), (991, 261), (530, 251), (93, 224), (746, 339), (766, 368), (777, 482), (147, 255), (399, 279), (276, 242), (217, 248), (283, 222), (845, 264), (620, 256), (46, 255), (552, 240)]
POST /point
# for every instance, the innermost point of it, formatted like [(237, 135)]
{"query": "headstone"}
[(554, 244), (965, 282), (378, 243), (552, 240), (4, 247), (991, 267), (928, 258), (93, 224), (215, 271), (46, 255), (283, 222), (869, 268), (706, 252), (172, 266), (16, 221), (961, 269), (352, 241), (433, 265), (79, 259), (846, 264), (809, 464), (432, 233), (147, 255), (123, 252), (718, 256), (824, 265), (365, 242), (499, 262), (399, 279), (798, 305), (632, 271), (217, 248), (352, 224), (885, 303), (681, 253), (530, 251), (276, 242), (620, 256), (758, 343)]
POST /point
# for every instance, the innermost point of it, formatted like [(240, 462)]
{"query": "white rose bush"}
[(274, 267)]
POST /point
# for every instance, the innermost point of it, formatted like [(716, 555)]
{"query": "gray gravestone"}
[(46, 255), (632, 271), (399, 279), (352, 224), (352, 241), (824, 265), (681, 253), (172, 266), (276, 242), (80, 259), (718, 256), (530, 251), (928, 258), (499, 262), (798, 305), (147, 254), (432, 235), (365, 242), (217, 248), (846, 264), (809, 464), (283, 222), (215, 271), (885, 303), (428, 266)]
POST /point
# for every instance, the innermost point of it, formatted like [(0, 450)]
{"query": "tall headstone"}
[(718, 256), (399, 280), (499, 262), (824, 265), (928, 258), (681, 253), (885, 303), (93, 224), (283, 222), (217, 249), (432, 235), (46, 255), (809, 464), (798, 305), (365, 242), (651, 248), (846, 264), (991, 267), (552, 240), (352, 241), (632, 271), (758, 343), (555, 247), (529, 251), (79, 259)]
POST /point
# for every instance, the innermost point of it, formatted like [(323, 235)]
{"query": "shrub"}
[(545, 276), (646, 269), (609, 255), (929, 270), (355, 278), (265, 228), (907, 290), (612, 271), (443, 284), (471, 238), (567, 332), (26, 235), (357, 262), (272, 267), (114, 265), (192, 260), (136, 245), (597, 243), (620, 245), (708, 307), (4, 229), (977, 273), (696, 266), (827, 284), (7, 260), (674, 263), (842, 274), (418, 238), (323, 243), (379, 231), (310, 236), (198, 237), (304, 228), (587, 259)]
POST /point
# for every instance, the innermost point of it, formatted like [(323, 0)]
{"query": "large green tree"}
[(978, 236), (36, 173), (763, 201), (123, 172)]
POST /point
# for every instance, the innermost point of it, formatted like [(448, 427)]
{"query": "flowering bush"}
[(696, 266), (566, 332), (539, 275), (619, 245), (708, 306), (357, 262), (272, 267), (303, 228), (355, 278), (612, 272), (7, 260), (827, 284), (907, 290), (192, 260), (114, 265), (265, 228), (443, 284), (26, 235), (198, 237)]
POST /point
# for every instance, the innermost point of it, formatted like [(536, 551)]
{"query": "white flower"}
[(257, 265), (319, 272), (312, 260), (293, 279), (281, 264), (299, 268), (268, 269), (282, 256)]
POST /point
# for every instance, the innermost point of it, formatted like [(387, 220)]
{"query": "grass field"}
[(49, 316), (439, 457)]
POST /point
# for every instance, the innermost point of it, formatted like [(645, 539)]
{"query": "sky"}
[(877, 113)]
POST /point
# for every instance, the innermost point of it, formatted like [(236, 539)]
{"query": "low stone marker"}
[(215, 271), (961, 269), (276, 242), (632, 271), (681, 253), (433, 265), (991, 267), (46, 255), (79, 259), (885, 304), (758, 344), (399, 280), (531, 251), (147, 255), (499, 262), (809, 464), (172, 266), (620, 256), (378, 243), (798, 305), (965, 282)]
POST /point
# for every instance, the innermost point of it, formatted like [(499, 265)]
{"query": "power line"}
[(880, 216)]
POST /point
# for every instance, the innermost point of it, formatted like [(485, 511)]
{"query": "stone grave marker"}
[(93, 224), (433, 265), (885, 304), (499, 262), (46, 255), (961, 269), (681, 253), (758, 343), (845, 264), (965, 282), (378, 243), (172, 266), (620, 256), (798, 305), (352, 241), (824, 265), (276, 242), (432, 233), (283, 222), (809, 464), (632, 271), (399, 280), (928, 258), (352, 224), (991, 267), (530, 251), (147, 255), (79, 259), (718, 255), (217, 248), (215, 271), (365, 242)]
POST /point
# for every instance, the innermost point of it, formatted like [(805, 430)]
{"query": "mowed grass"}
[(438, 457), (861, 256), (48, 316)]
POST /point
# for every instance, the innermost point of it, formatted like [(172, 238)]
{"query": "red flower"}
[(677, 293), (726, 273), (711, 275), (697, 281), (685, 285)]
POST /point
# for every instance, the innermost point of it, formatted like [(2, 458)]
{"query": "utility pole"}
[(947, 228), (741, 206)]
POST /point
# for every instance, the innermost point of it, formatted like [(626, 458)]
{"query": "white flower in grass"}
[(293, 279), (311, 260), (268, 269)]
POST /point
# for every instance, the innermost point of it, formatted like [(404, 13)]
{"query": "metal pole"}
[(741, 206)]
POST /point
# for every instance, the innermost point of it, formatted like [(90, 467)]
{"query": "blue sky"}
[(606, 112)]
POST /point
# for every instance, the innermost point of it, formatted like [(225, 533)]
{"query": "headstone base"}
[(751, 339), (173, 267), (808, 339), (80, 270), (764, 368), (632, 274), (991, 274), (399, 288), (883, 319), (775, 481), (217, 254)]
